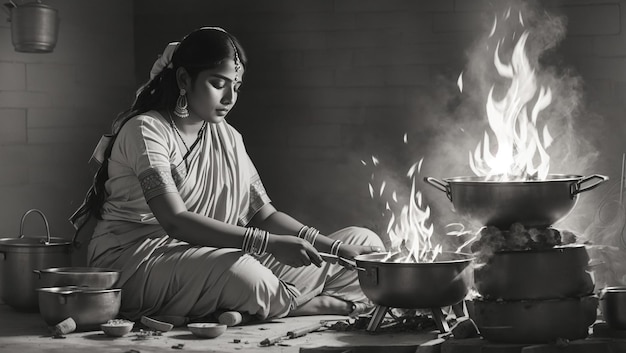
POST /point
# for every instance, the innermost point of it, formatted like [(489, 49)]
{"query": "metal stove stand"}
[(438, 315)]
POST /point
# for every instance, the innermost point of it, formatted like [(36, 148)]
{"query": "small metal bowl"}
[(206, 330), (117, 328)]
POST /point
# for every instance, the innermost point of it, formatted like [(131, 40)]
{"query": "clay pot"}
[(535, 321), (559, 272)]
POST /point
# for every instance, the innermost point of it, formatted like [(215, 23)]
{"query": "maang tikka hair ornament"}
[(181, 105), (237, 62)]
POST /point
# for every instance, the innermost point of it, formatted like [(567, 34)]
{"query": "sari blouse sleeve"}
[(146, 144), (258, 195)]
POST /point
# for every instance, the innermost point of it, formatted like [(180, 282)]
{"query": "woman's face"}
[(214, 92)]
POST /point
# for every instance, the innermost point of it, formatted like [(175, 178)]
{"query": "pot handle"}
[(69, 290), (440, 185), (44, 220), (3, 255), (577, 187), (349, 264)]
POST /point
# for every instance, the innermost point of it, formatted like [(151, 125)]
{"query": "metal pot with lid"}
[(19, 257)]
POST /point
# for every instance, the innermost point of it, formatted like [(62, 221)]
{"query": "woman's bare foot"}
[(323, 305)]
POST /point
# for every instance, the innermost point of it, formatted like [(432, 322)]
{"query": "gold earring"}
[(181, 105)]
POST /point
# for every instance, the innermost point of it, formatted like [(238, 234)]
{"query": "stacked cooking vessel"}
[(36, 275), (528, 296)]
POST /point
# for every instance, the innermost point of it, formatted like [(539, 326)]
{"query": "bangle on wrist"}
[(302, 231), (255, 241), (334, 248), (309, 234)]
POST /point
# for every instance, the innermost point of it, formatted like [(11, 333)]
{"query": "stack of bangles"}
[(310, 234), (255, 241)]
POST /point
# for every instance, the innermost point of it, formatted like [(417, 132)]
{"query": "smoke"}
[(453, 120), (449, 121)]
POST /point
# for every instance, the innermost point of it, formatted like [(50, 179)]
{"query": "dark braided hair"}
[(204, 48)]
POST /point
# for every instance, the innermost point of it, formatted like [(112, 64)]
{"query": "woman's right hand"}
[(293, 251)]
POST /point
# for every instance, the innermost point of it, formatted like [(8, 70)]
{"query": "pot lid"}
[(33, 242), (80, 270), (76, 289)]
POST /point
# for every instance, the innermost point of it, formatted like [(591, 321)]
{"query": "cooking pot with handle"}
[(20, 256), (421, 285), (533, 203), (88, 307)]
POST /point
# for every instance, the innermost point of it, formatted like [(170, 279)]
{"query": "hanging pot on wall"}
[(34, 27)]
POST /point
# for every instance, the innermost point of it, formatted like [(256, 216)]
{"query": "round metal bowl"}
[(415, 285), (88, 307), (90, 277), (533, 203)]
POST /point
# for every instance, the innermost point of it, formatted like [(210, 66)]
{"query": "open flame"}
[(409, 230), (520, 143)]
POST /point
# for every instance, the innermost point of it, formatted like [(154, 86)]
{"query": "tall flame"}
[(409, 231), (521, 147)]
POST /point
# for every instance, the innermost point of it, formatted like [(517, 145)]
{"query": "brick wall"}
[(331, 82), (53, 108)]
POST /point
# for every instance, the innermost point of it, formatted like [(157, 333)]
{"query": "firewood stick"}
[(304, 330), (272, 340)]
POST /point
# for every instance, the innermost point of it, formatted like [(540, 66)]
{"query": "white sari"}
[(165, 276)]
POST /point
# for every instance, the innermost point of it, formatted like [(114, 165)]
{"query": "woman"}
[(182, 211)]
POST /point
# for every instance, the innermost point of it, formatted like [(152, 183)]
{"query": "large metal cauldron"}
[(533, 203), (415, 285)]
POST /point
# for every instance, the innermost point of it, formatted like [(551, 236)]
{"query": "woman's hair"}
[(203, 49)]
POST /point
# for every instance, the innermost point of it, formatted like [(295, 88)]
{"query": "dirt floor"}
[(28, 333)]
